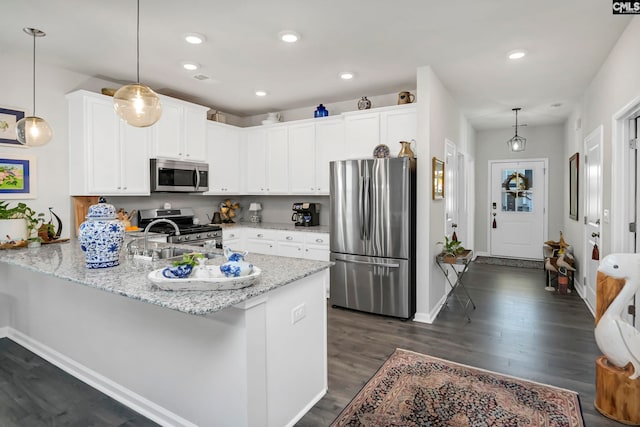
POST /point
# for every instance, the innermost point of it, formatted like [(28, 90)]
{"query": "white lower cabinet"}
[(233, 238), (292, 244), (260, 241)]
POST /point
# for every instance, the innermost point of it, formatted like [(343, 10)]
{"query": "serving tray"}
[(216, 282)]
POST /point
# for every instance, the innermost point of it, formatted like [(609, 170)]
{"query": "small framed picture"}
[(8, 119), (17, 177), (437, 190)]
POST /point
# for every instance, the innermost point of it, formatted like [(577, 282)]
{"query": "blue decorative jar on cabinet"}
[(321, 111), (101, 236)]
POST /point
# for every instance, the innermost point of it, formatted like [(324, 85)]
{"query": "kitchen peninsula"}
[(250, 357)]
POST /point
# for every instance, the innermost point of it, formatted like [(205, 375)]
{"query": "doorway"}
[(518, 213), (592, 210)]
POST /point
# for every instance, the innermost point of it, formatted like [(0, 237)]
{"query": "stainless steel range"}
[(190, 233)]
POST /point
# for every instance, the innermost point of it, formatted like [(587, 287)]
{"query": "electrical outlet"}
[(298, 313)]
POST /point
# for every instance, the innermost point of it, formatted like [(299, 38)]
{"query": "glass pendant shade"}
[(33, 131), (517, 143), (137, 105)]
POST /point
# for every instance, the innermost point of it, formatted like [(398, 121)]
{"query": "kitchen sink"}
[(173, 253)]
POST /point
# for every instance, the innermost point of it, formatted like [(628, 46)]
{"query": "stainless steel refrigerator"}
[(373, 235)]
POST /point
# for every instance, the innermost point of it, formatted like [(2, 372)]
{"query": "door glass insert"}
[(517, 190)]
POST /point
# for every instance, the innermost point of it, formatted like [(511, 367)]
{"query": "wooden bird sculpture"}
[(617, 339), (562, 263), (548, 266)]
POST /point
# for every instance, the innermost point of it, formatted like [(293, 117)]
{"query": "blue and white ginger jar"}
[(101, 236)]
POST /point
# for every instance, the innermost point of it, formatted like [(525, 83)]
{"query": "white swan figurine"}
[(617, 339)]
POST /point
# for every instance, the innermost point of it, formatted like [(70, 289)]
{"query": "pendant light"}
[(517, 143), (32, 130), (136, 103)]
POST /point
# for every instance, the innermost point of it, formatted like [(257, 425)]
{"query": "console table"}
[(463, 259)]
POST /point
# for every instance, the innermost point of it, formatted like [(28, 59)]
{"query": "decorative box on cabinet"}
[(181, 131), (226, 154), (106, 155)]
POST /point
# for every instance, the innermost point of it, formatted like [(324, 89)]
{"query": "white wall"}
[(52, 159), (542, 142), (614, 86), (439, 118)]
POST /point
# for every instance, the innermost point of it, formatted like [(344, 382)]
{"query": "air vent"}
[(201, 77)]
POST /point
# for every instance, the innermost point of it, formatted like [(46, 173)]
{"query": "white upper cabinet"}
[(362, 135), (329, 146), (267, 160), (302, 162), (226, 159), (399, 125), (181, 131), (106, 155)]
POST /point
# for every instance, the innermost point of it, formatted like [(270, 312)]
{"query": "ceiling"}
[(381, 42)]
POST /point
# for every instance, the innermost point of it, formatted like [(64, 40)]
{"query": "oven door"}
[(178, 176)]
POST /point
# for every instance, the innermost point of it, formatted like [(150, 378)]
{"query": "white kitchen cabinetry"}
[(181, 131), (399, 124), (362, 135), (106, 155), (260, 241), (267, 160), (233, 238), (329, 147), (316, 246), (300, 244), (226, 159), (290, 244)]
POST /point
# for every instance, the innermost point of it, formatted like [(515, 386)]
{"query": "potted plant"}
[(451, 249), (19, 222)]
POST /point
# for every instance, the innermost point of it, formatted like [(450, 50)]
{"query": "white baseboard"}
[(307, 408), (101, 383), (430, 317), (4, 332)]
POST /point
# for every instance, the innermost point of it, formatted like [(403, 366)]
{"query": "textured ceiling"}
[(382, 42)]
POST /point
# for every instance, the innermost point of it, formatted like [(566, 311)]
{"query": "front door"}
[(592, 209), (517, 218)]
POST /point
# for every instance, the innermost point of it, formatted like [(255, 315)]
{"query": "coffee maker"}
[(306, 214)]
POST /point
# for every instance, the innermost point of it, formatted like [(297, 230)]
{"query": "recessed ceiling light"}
[(194, 38), (261, 93), (346, 75), (191, 66), (517, 54), (289, 36)]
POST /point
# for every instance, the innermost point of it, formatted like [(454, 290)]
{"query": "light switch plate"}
[(605, 215)]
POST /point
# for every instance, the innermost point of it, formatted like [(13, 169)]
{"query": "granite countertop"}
[(129, 279), (278, 226)]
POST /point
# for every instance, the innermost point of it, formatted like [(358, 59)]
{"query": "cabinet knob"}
[(119, 188), (259, 235), (231, 236), (311, 189), (124, 188), (289, 238), (319, 240)]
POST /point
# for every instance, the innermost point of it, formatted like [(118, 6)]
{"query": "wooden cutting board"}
[(81, 208)]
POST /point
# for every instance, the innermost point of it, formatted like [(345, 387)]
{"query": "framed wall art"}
[(574, 173), (17, 177), (437, 190), (8, 119)]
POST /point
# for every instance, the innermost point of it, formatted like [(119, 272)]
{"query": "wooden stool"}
[(617, 397)]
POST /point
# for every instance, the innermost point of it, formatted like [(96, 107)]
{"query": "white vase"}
[(13, 229)]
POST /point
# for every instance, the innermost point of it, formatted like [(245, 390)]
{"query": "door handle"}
[(594, 235), (378, 264), (598, 221)]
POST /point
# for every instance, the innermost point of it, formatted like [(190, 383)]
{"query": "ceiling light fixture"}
[(289, 36), (261, 93), (33, 131), (194, 38), (346, 75), (517, 54), (517, 143), (191, 66), (136, 103)]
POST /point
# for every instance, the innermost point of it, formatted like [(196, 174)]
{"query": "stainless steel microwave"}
[(178, 176)]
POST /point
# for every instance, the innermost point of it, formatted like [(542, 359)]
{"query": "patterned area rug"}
[(412, 389)]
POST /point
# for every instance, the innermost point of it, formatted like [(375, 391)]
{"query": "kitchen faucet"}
[(152, 223)]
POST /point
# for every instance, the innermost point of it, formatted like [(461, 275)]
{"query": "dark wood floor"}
[(518, 329), (35, 393)]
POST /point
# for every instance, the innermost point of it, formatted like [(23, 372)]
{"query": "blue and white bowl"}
[(177, 272)]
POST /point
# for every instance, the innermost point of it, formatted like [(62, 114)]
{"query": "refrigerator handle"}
[(379, 264), (367, 208), (361, 207)]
